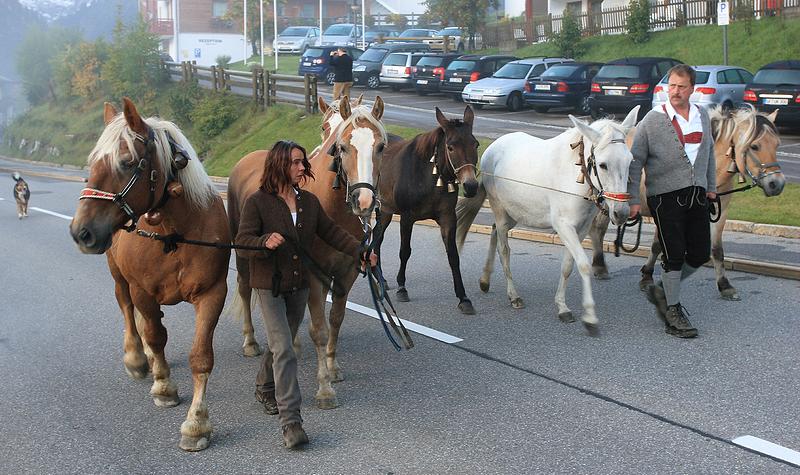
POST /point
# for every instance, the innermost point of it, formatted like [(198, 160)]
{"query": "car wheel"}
[(329, 78), (583, 107), (514, 102), (541, 109), (373, 82), (595, 113)]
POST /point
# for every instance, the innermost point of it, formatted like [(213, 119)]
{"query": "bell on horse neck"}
[(732, 168), (741, 178), (180, 160), (451, 188), (334, 165), (440, 182), (433, 159), (580, 178), (435, 171), (336, 182)]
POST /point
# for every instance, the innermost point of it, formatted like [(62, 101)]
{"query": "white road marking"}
[(787, 154), (52, 213), (414, 327), (767, 447)]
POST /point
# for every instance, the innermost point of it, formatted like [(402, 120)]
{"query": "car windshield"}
[(701, 77), (430, 61), (413, 33), (618, 71), (449, 32), (374, 55), (313, 53), (461, 66), (560, 71), (294, 31), (396, 59), (512, 71), (339, 30), (789, 77)]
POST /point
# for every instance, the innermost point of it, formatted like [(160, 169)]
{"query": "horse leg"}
[(447, 227), (244, 292), (597, 232), (335, 319), (726, 290), (134, 358), (649, 267), (406, 227), (382, 225), (163, 391), (488, 267), (318, 329), (564, 313), (504, 223), (196, 429), (572, 242)]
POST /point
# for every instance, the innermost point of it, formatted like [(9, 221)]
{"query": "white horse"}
[(532, 182)]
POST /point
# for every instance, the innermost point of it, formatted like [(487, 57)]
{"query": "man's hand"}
[(373, 260), (274, 241), (635, 210), (711, 195)]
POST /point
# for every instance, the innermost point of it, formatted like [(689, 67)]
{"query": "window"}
[(732, 77), (309, 11), (664, 67), (746, 76), (537, 71), (618, 71), (721, 79), (560, 71), (219, 8)]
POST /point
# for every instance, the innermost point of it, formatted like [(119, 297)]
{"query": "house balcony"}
[(162, 27)]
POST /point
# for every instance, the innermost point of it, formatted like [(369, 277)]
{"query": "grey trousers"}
[(282, 316)]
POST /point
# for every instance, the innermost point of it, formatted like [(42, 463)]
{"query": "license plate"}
[(476, 97), (422, 81), (455, 79), (391, 71), (542, 87), (776, 102), (614, 92), (306, 64)]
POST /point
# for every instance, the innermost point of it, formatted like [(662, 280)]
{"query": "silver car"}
[(341, 34), (396, 69), (295, 39), (505, 87), (714, 85)]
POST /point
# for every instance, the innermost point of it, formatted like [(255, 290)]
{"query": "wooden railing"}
[(262, 86)]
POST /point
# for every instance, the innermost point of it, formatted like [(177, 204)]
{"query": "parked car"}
[(367, 69), (295, 39), (624, 83), (341, 34), (714, 85), (563, 85), (374, 33), (469, 68), (505, 87), (429, 71), (777, 86), (396, 69), (416, 33), (316, 61), (458, 41)]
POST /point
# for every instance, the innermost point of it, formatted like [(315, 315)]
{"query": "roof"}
[(639, 60), (476, 57), (786, 64), (403, 6), (539, 59)]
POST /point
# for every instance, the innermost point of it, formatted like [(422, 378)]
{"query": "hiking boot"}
[(268, 400), (293, 435), (657, 297), (678, 324)]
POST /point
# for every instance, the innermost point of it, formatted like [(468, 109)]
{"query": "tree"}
[(467, 14), (236, 13), (397, 19), (133, 66), (76, 70), (639, 21), (35, 60), (568, 40)]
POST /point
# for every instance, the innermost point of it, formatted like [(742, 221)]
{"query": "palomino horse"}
[(419, 179), (531, 181), (147, 166), (745, 142), (353, 146)]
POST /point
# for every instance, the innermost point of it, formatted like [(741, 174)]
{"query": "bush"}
[(182, 100), (223, 60), (215, 112), (639, 21), (568, 40)]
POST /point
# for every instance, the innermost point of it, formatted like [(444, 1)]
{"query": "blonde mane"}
[(361, 112), (197, 186), (742, 127)]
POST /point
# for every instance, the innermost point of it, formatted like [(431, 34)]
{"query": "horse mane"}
[(604, 126), (742, 127), (361, 112), (197, 186)]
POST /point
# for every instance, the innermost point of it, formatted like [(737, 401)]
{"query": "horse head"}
[(357, 151), (331, 118), (751, 143), (460, 149), (608, 161), (130, 167)]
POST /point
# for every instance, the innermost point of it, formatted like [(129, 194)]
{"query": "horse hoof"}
[(193, 444), (730, 294), (252, 350), (140, 372), (327, 402), (593, 329), (484, 286), (517, 303), (601, 273), (166, 401), (466, 307), (402, 295), (566, 317)]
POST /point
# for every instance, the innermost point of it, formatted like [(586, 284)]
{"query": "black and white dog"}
[(22, 195)]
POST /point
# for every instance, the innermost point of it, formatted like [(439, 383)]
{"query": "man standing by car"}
[(343, 73), (674, 145)]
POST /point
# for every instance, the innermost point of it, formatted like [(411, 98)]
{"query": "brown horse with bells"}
[(144, 174)]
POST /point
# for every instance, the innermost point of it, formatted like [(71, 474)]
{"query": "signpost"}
[(723, 19)]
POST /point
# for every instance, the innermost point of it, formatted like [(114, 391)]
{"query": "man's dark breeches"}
[(681, 217)]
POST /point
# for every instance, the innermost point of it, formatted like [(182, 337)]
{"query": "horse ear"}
[(585, 130), (344, 107), (630, 119), (109, 112), (441, 119), (377, 108), (323, 106), (358, 101), (132, 116), (469, 116), (772, 117)]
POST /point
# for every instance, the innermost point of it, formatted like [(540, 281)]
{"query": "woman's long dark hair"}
[(276, 168)]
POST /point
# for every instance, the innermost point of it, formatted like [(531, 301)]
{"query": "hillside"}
[(14, 22)]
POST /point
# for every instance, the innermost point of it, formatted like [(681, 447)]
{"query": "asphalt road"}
[(520, 393)]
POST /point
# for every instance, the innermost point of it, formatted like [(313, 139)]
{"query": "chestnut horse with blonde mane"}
[(353, 142), (148, 167)]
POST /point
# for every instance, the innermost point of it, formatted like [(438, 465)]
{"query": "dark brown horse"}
[(147, 167), (419, 180), (354, 140)]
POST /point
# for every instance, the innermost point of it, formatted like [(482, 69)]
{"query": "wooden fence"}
[(262, 86)]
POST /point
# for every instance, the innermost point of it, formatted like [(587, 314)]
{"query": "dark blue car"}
[(316, 61), (563, 85)]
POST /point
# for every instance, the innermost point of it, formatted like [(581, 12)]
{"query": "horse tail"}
[(466, 211)]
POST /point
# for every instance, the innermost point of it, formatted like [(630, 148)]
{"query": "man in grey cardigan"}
[(675, 147)]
